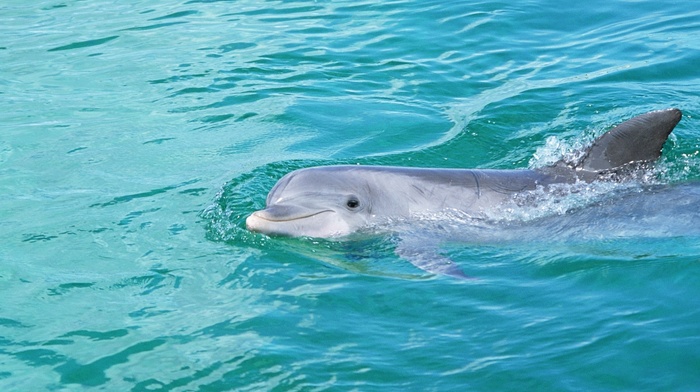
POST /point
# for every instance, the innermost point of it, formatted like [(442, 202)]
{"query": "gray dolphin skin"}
[(335, 201)]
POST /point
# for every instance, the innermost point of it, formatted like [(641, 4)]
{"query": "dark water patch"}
[(94, 373), (153, 26), (245, 145), (236, 46), (245, 372), (319, 31), (159, 140), (226, 102), (136, 214), (207, 1), (193, 90), (149, 311), (10, 323), (194, 191), (66, 287), (38, 237), (149, 283), (59, 342), (246, 116), (40, 357), (269, 68), (53, 7), (178, 78), (292, 11), (44, 237), (96, 335), (76, 150), (179, 14), (237, 100), (151, 193), (177, 229), (154, 384), (294, 56), (84, 44), (215, 119)]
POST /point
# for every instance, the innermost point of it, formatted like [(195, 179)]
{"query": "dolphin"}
[(336, 201)]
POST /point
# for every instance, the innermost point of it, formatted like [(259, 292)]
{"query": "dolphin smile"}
[(280, 213), (282, 219)]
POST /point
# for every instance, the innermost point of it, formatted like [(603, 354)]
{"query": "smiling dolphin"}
[(335, 201)]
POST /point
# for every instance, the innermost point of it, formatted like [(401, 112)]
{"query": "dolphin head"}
[(320, 202)]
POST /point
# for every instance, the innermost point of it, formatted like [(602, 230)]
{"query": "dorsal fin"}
[(637, 140)]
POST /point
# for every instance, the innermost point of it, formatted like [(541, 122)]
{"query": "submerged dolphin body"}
[(335, 201)]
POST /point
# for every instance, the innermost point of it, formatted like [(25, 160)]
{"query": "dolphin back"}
[(637, 140)]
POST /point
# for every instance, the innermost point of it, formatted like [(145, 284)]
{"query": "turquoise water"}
[(136, 136)]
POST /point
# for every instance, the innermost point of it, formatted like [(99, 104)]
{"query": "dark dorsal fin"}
[(637, 140)]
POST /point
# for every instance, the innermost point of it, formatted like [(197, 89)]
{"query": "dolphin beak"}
[(265, 221)]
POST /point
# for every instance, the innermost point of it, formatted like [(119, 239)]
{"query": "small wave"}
[(84, 44)]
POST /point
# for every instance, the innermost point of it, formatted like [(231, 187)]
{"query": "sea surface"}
[(136, 136)]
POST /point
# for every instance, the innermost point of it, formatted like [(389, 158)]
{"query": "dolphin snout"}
[(253, 222), (276, 218), (284, 212)]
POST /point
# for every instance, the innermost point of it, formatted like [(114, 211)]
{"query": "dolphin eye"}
[(353, 203)]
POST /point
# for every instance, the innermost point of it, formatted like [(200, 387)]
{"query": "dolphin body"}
[(335, 201)]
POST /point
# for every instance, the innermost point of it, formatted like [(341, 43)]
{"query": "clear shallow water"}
[(134, 138)]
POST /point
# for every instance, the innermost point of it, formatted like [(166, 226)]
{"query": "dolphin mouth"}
[(280, 213), (274, 219)]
